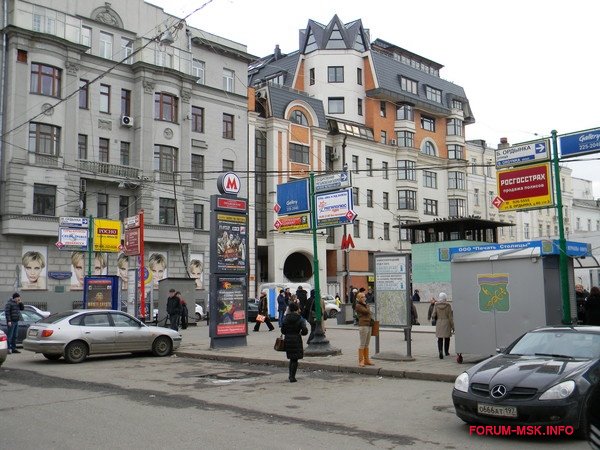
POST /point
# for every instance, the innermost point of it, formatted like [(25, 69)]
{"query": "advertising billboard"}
[(230, 307), (528, 187)]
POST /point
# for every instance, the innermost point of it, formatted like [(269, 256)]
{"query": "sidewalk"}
[(259, 350)]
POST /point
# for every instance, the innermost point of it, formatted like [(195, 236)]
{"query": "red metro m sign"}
[(229, 183)]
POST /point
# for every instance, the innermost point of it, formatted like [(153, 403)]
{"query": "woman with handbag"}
[(263, 310), (294, 327), (444, 323), (364, 328)]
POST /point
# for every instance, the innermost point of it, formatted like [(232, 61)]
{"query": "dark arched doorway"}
[(297, 268)]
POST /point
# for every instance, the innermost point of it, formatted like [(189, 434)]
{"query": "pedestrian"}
[(444, 323), (414, 319), (430, 310), (370, 296), (302, 299), (416, 297), (263, 310), (184, 311), (294, 326), (281, 306), (353, 294), (338, 300), (580, 295), (312, 315), (12, 311), (365, 322), (173, 309), (592, 307)]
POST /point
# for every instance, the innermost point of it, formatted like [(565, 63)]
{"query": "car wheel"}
[(51, 356), (198, 317), (162, 346), (332, 314), (76, 352)]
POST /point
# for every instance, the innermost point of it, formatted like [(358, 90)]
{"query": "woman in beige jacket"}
[(364, 327), (444, 326)]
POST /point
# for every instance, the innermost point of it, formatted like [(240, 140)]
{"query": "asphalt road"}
[(155, 403)]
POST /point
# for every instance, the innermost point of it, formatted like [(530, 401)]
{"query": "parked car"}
[(252, 310), (29, 317), (545, 377), (37, 310), (3, 347), (78, 333), (199, 313), (331, 307)]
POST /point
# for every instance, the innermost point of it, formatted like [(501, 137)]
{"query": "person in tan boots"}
[(364, 327)]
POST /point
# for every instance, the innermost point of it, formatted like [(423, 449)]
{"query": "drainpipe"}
[(3, 70)]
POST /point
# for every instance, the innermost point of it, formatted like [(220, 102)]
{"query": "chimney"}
[(276, 53), (503, 143)]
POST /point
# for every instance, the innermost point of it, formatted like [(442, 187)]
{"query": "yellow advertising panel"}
[(107, 235), (527, 187)]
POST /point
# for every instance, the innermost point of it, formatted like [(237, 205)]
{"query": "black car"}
[(29, 317), (548, 376), (252, 310)]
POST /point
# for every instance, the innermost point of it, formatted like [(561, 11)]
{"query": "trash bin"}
[(346, 314)]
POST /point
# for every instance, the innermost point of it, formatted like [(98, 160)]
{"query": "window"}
[(162, 58), (125, 153), (82, 145), (457, 104), (355, 196), (123, 207), (405, 112), (359, 106), (491, 196), (476, 196), (228, 80), (433, 94), (199, 217), (406, 170), (356, 228), (335, 105), (198, 69), (102, 206), (407, 200), (369, 167), (384, 170), (103, 150), (386, 231), (428, 123), (44, 139), (166, 211), (227, 126), (86, 36), (355, 163), (456, 207), (22, 56), (335, 74), (455, 151), (577, 223), (370, 226), (311, 76), (454, 127), (106, 44), (105, 98), (429, 148), (165, 159), (430, 179), (383, 137), (474, 166), (165, 107), (84, 94), (456, 180), (126, 50), (359, 76), (197, 171), (227, 165), (431, 207), (370, 198), (386, 200), (408, 85), (197, 119), (45, 80), (299, 118), (382, 109), (44, 200), (526, 231), (299, 153), (405, 138), (125, 102)]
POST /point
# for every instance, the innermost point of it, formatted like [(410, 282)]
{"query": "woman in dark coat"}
[(592, 307), (294, 327)]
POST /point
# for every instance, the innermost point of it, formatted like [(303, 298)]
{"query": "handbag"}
[(260, 318), (375, 328), (433, 322), (279, 344)]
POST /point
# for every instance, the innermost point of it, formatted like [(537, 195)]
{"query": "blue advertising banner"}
[(292, 197), (547, 247), (579, 143)]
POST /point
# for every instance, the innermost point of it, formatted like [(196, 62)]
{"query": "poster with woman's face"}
[(33, 267), (122, 269), (196, 269), (79, 267), (157, 263)]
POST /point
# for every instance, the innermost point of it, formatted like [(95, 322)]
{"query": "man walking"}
[(282, 304), (12, 311), (173, 309)]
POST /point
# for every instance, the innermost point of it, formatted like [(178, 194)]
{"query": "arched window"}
[(299, 118), (429, 148)]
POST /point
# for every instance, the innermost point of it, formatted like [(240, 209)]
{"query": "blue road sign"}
[(292, 197), (581, 143), (525, 153), (332, 181)]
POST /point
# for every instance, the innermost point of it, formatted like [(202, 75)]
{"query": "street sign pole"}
[(90, 245), (562, 257)]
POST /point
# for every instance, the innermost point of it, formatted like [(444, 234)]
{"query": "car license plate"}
[(497, 411), (32, 332)]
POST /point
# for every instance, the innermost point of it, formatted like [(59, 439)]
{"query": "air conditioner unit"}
[(334, 155), (393, 142), (261, 94), (127, 121)]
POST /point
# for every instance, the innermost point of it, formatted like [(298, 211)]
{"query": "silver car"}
[(76, 334), (3, 347)]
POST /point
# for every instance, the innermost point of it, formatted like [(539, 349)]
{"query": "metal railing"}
[(116, 170)]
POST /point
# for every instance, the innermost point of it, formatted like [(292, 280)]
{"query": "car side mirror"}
[(501, 350)]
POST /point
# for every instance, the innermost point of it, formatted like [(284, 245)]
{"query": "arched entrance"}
[(298, 268)]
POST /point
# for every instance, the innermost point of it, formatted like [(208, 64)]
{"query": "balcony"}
[(102, 168), (41, 159)]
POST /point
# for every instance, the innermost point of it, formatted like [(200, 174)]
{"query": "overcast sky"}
[(527, 67)]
